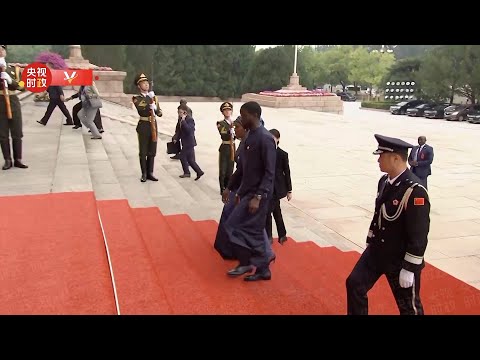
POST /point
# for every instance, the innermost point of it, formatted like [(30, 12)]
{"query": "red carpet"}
[(52, 256), (55, 262), (138, 288)]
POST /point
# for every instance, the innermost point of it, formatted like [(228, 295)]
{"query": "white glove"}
[(153, 107), (3, 63), (406, 278), (7, 77), (151, 94)]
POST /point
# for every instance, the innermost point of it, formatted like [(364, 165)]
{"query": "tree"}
[(105, 55), (62, 50), (470, 71), (25, 54), (337, 62), (438, 80), (370, 68), (271, 69)]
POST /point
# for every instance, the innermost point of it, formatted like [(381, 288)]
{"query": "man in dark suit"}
[(175, 137), (282, 188), (187, 137), (420, 160), (57, 98)]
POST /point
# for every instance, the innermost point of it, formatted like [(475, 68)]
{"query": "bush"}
[(382, 105)]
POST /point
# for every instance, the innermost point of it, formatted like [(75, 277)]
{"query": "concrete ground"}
[(334, 173)]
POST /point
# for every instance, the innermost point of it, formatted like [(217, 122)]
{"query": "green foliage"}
[(377, 105), (369, 68), (438, 81), (25, 54), (228, 71), (105, 55), (63, 50)]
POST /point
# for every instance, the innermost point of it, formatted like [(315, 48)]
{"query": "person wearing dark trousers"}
[(398, 234), (246, 224), (282, 188), (175, 137), (11, 75), (57, 98), (222, 243), (77, 107), (187, 137), (420, 160), (144, 102)]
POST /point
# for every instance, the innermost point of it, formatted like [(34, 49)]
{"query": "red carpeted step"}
[(139, 289), (380, 298), (441, 294), (444, 294), (293, 299), (53, 256), (186, 291), (231, 296), (310, 271)]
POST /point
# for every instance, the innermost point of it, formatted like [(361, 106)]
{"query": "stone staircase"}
[(64, 160)]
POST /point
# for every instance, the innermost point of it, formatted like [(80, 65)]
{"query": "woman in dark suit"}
[(222, 242)]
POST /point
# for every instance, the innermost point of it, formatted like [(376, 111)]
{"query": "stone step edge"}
[(117, 118)]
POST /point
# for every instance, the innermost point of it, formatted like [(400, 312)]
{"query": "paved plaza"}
[(333, 171)]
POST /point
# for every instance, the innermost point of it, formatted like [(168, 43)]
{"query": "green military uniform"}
[(11, 127), (226, 150), (147, 147)]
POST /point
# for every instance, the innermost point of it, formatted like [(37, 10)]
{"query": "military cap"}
[(4, 46), (392, 145), (140, 78), (226, 105)]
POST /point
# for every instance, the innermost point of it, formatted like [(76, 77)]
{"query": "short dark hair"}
[(275, 133), (252, 107), (183, 107), (183, 101)]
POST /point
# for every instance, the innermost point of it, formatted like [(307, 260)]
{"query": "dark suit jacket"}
[(187, 133), (54, 92), (424, 159), (282, 181)]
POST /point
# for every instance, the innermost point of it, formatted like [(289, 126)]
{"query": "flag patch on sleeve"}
[(419, 201)]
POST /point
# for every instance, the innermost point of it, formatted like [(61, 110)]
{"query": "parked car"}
[(473, 115), (345, 96), (437, 112), (402, 107), (420, 109), (457, 112)]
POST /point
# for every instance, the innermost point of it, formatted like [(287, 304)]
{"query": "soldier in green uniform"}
[(227, 147), (144, 102), (12, 75)]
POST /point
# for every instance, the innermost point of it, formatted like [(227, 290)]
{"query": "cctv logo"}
[(70, 78), (79, 77)]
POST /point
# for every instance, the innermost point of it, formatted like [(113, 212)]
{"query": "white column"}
[(295, 64)]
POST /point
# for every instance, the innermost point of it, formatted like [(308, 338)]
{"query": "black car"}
[(457, 112), (473, 115), (437, 112), (402, 107), (346, 96), (420, 109)]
